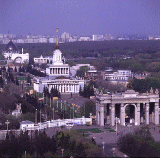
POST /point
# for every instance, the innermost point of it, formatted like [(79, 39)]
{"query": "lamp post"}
[(84, 114), (53, 113), (62, 151), (57, 105), (64, 108), (116, 125), (61, 105), (50, 102), (25, 154), (7, 125), (70, 112), (113, 149), (36, 117), (40, 118), (103, 146)]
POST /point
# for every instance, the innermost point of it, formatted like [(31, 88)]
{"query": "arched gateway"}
[(145, 105)]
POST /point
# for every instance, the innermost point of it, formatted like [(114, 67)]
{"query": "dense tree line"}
[(87, 108), (139, 144), (53, 93), (87, 91), (40, 145), (35, 72), (144, 85)]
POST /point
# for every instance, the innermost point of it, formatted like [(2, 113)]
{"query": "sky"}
[(80, 17)]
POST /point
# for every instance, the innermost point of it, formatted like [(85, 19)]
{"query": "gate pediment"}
[(130, 94)]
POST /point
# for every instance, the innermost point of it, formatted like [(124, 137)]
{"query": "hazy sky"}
[(80, 16)]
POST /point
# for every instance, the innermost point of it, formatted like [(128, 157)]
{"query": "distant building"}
[(12, 53), (93, 75), (84, 39), (119, 76), (150, 37), (74, 69), (140, 76), (43, 60), (27, 125), (65, 37), (95, 37)]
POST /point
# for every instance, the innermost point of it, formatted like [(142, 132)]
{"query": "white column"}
[(56, 70), (137, 114), (156, 113), (60, 88), (112, 114), (65, 70), (75, 88), (122, 115), (101, 115), (72, 87), (97, 113), (147, 114)]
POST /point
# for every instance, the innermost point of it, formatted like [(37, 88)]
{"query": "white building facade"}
[(58, 77), (119, 76), (12, 53)]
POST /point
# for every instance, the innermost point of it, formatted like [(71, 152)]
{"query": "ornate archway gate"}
[(129, 97)]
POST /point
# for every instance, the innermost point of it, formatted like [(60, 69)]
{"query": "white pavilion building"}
[(58, 76)]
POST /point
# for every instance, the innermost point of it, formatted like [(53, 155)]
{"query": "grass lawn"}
[(107, 128), (93, 130), (111, 130), (86, 135)]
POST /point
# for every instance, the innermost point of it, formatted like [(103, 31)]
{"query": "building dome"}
[(11, 47), (57, 57)]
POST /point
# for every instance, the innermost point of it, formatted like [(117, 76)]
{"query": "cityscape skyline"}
[(80, 17)]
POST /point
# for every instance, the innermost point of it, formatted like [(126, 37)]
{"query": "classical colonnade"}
[(65, 87), (123, 100), (58, 70)]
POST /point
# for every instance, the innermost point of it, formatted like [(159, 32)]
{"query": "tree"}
[(80, 91), (29, 79), (82, 70), (87, 108), (15, 69)]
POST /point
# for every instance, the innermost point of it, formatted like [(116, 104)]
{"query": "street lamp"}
[(53, 113), (40, 119), (7, 125), (103, 146), (62, 151), (57, 105), (64, 108), (61, 105), (116, 125), (36, 117), (113, 149)]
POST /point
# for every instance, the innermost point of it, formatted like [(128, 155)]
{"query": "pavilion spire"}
[(57, 46)]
